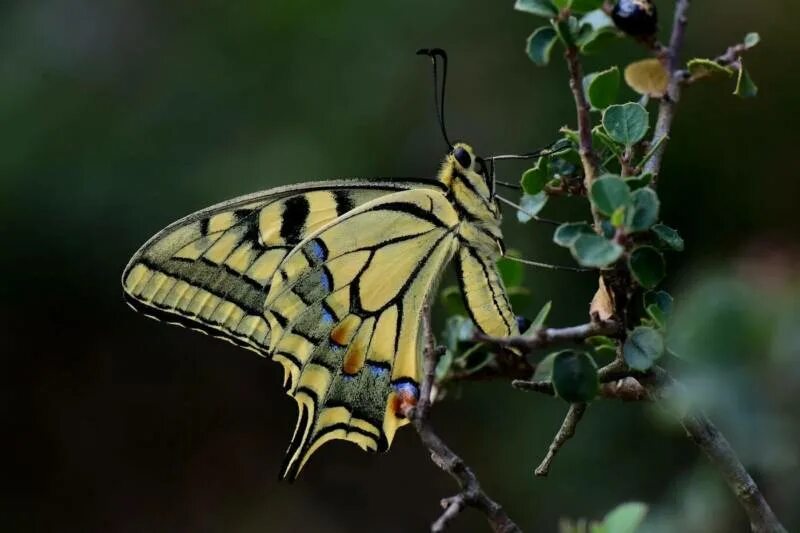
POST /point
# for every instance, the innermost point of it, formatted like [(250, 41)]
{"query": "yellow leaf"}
[(647, 77)]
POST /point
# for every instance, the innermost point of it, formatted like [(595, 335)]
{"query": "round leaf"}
[(661, 299), (542, 8), (534, 179), (645, 209), (575, 376), (609, 193), (595, 251), (566, 233), (625, 518), (647, 77), (669, 236), (602, 88), (751, 39), (643, 347), (627, 123), (531, 205), (540, 44), (745, 88), (701, 68), (647, 266)]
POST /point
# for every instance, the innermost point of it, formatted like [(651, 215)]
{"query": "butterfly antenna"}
[(558, 146), (526, 212), (507, 184), (548, 266), (437, 54)]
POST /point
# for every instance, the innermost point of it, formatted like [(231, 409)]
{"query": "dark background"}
[(118, 117)]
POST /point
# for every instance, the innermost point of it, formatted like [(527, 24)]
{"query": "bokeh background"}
[(118, 117)]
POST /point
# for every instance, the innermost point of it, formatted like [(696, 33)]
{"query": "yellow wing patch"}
[(364, 362)]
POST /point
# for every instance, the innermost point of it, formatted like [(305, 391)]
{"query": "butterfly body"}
[(330, 279)]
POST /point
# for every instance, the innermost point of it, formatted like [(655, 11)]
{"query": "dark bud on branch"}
[(637, 18)]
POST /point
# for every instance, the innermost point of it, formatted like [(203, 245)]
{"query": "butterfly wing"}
[(344, 312), (485, 297), (211, 270)]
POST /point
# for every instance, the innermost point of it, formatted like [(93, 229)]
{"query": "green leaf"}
[(609, 193), (658, 316), (567, 30), (444, 364), (745, 88), (627, 123), (511, 272), (457, 331), (541, 317), (596, 30), (531, 205), (625, 518), (603, 346), (602, 88), (669, 236), (544, 368), (562, 4), (453, 301), (662, 299), (567, 233), (643, 347), (575, 376), (751, 40), (618, 217), (637, 182), (595, 251), (645, 210), (540, 45), (647, 266), (700, 67), (534, 179), (542, 8)]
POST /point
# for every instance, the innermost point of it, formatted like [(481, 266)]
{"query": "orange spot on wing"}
[(343, 333), (401, 402), (353, 360)]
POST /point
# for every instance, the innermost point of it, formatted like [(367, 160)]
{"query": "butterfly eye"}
[(462, 156)]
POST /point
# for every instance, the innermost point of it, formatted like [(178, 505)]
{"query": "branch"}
[(547, 336), (666, 110), (471, 493), (565, 432), (584, 124), (714, 444)]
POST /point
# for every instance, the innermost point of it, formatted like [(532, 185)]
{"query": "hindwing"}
[(344, 312)]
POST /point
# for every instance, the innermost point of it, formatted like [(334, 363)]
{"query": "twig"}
[(565, 432), (666, 110), (547, 336), (617, 382), (730, 58), (714, 444), (471, 493), (588, 159)]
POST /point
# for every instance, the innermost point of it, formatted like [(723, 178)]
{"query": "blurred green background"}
[(120, 116)]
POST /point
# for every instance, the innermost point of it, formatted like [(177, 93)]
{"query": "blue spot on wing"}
[(325, 279), (406, 388), (378, 370), (318, 250), (327, 316)]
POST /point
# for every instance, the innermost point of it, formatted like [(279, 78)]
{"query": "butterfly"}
[(330, 280)]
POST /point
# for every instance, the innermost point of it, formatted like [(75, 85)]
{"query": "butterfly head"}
[(468, 179)]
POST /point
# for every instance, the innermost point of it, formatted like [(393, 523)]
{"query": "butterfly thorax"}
[(470, 194)]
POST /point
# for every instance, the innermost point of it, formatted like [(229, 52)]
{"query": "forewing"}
[(344, 309), (211, 271)]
